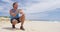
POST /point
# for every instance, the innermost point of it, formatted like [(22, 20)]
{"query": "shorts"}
[(16, 19)]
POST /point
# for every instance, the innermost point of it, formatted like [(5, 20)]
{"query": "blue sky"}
[(34, 9)]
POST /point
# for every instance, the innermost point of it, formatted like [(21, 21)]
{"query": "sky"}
[(34, 9)]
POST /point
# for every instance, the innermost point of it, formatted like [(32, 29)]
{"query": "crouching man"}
[(15, 18)]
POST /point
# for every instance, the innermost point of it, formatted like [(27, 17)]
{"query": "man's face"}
[(16, 5)]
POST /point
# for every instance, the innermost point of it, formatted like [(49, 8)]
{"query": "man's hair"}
[(14, 3)]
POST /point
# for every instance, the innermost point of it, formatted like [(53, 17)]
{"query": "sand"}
[(31, 26)]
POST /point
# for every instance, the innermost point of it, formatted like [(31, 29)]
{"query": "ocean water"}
[(52, 15)]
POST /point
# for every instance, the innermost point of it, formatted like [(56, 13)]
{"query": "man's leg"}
[(22, 19), (14, 22)]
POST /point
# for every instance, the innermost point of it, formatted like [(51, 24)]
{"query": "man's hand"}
[(21, 12), (13, 14)]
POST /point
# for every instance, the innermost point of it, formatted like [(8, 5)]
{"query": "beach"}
[(31, 26)]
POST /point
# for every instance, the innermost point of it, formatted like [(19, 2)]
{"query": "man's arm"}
[(21, 12), (13, 14)]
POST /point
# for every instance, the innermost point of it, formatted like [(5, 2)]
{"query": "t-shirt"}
[(17, 15)]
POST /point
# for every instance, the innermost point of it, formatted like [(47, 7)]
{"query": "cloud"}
[(43, 5), (8, 1), (5, 7), (1, 8), (32, 6)]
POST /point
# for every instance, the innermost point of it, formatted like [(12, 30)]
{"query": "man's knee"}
[(14, 21), (23, 15), (22, 18)]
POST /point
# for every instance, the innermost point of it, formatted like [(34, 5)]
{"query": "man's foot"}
[(13, 26), (22, 28)]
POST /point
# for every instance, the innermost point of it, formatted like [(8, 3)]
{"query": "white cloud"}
[(9, 1), (1, 8), (43, 5), (6, 7), (6, 0)]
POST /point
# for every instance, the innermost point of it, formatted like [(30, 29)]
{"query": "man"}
[(15, 18)]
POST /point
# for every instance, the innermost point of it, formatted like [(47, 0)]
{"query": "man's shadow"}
[(10, 28)]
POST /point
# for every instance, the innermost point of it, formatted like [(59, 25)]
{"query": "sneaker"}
[(13, 26), (22, 28)]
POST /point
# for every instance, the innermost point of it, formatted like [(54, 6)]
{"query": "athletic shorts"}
[(16, 19)]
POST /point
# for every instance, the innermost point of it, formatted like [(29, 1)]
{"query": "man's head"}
[(15, 5)]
